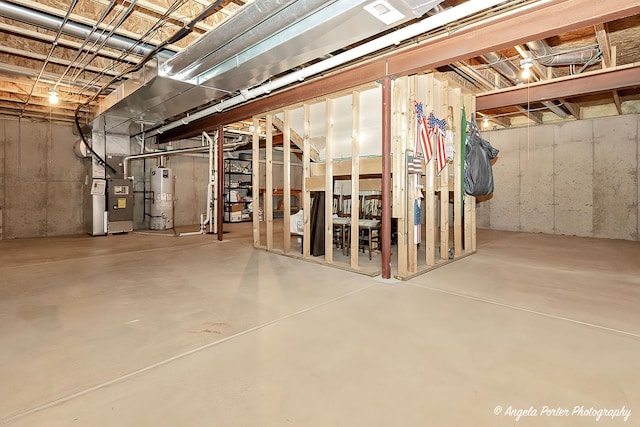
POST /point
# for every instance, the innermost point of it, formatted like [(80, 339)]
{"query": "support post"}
[(306, 173), (220, 179), (355, 176), (286, 166), (386, 178), (268, 193), (255, 190), (328, 184)]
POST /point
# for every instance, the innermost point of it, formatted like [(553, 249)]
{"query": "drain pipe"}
[(125, 161), (463, 10)]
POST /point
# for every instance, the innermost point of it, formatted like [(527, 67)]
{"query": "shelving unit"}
[(238, 190)]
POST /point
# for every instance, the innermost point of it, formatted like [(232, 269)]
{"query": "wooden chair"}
[(371, 223)]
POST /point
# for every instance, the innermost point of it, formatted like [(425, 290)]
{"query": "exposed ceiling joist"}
[(538, 21), (565, 87), (574, 109)]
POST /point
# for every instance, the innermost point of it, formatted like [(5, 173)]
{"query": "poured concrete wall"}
[(578, 178), (41, 180)]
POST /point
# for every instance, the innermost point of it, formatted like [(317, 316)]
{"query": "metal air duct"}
[(222, 42), (512, 72), (546, 55)]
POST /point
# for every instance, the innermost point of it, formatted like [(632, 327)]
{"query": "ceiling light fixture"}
[(53, 97), (485, 122), (383, 11), (526, 65)]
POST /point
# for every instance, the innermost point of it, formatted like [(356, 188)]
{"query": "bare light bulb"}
[(526, 73), (485, 123), (53, 97)]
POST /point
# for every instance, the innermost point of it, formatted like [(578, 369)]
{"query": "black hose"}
[(176, 37)]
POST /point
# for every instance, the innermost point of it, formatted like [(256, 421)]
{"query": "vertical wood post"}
[(286, 166), (355, 176), (255, 180), (268, 194), (400, 187), (386, 177), (306, 173), (328, 184)]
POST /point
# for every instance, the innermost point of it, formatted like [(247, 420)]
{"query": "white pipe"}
[(210, 213), (438, 20), (125, 161)]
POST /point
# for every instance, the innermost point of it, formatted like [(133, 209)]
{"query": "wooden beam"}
[(574, 109), (590, 82), (603, 42), (616, 100), (534, 116), (296, 139)]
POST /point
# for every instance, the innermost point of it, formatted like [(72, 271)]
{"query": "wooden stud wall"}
[(438, 95)]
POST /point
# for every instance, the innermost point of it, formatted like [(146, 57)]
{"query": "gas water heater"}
[(161, 210)]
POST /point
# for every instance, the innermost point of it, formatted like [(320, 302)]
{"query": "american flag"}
[(414, 165), (423, 134), (439, 127)]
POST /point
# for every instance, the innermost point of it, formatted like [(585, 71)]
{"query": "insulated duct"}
[(203, 54), (546, 55), (512, 72), (503, 66), (438, 20), (53, 23)]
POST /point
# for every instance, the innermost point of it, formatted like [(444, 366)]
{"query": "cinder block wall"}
[(41, 180), (576, 178)]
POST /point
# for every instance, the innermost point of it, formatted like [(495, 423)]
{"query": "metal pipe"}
[(125, 161), (546, 55), (81, 31), (385, 238), (463, 10)]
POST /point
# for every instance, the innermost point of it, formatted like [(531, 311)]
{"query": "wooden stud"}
[(457, 174), (328, 184), (399, 173), (255, 179), (444, 182), (268, 194), (410, 124), (430, 187), (286, 182), (355, 176), (306, 173)]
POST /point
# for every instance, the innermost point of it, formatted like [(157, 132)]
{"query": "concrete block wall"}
[(41, 180), (576, 178)]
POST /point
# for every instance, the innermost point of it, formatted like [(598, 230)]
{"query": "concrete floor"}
[(140, 330)]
